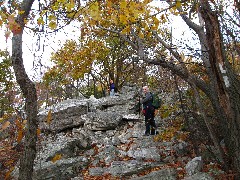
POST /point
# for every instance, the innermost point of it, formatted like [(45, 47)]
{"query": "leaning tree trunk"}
[(29, 92), (226, 88)]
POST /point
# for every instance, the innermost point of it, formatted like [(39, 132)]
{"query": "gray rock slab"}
[(163, 174), (127, 168), (66, 114), (199, 176), (62, 169), (61, 145), (145, 154), (100, 121)]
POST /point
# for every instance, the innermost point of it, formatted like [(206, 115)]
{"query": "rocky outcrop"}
[(94, 138), (94, 113), (61, 116)]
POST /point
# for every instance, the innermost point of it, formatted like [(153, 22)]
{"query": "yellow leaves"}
[(130, 12), (55, 7), (43, 12), (71, 15), (69, 6), (52, 25), (76, 60), (114, 18), (141, 35), (40, 21), (178, 4), (174, 9), (94, 11), (124, 14), (123, 19), (163, 19), (25, 21), (52, 17), (21, 12), (56, 158), (155, 23), (123, 5)]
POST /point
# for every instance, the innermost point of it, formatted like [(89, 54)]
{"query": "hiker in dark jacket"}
[(148, 111)]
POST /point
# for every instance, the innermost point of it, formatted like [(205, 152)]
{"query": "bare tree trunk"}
[(227, 87), (29, 91)]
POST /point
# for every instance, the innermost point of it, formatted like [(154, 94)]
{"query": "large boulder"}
[(61, 116), (101, 121)]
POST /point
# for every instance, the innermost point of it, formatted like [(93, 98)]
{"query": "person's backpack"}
[(156, 101), (115, 89)]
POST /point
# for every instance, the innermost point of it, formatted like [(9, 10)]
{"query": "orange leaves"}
[(20, 129), (5, 125), (49, 117), (13, 25), (9, 155), (19, 125), (7, 176), (38, 132), (19, 136), (105, 176)]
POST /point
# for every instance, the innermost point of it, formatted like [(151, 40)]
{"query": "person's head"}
[(145, 89), (111, 81)]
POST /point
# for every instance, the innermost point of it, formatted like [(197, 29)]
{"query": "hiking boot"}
[(153, 132), (146, 134)]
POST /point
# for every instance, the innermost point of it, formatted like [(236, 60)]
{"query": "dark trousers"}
[(149, 121)]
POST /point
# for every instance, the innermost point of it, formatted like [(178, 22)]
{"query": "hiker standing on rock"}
[(148, 112)]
